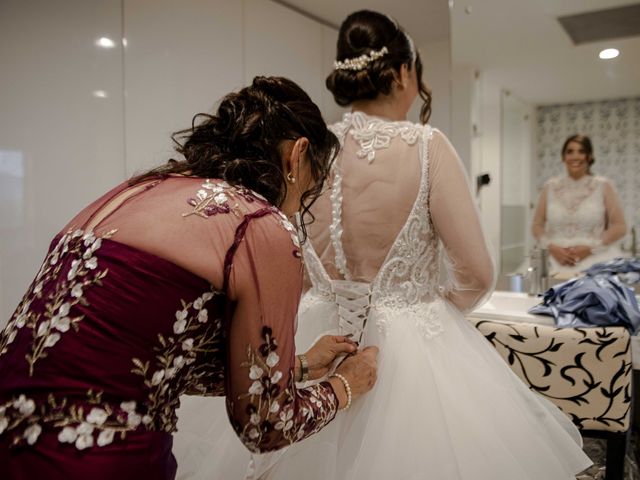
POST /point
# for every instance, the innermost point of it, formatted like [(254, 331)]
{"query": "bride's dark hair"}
[(361, 33), (241, 141)]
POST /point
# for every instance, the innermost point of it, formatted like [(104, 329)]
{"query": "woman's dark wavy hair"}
[(241, 141), (585, 142), (360, 34)]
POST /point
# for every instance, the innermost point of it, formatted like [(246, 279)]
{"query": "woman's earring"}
[(291, 178)]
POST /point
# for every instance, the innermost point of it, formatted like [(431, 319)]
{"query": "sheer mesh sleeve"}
[(616, 227), (264, 274), (540, 219), (455, 218)]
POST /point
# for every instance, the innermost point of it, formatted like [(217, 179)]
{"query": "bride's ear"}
[(402, 77)]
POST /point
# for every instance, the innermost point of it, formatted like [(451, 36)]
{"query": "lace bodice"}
[(409, 272), (381, 243), (579, 212), (398, 193), (575, 209)]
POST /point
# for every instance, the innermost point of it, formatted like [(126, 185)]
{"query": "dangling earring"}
[(291, 178)]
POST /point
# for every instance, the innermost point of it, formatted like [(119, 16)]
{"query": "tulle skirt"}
[(445, 407)]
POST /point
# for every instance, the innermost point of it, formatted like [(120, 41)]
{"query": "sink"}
[(512, 307)]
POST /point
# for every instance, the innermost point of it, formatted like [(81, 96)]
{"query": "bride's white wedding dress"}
[(445, 406), (573, 212)]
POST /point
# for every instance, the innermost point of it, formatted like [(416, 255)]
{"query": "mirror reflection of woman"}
[(579, 217)]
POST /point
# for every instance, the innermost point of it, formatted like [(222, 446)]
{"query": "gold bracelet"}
[(346, 387), (304, 368)]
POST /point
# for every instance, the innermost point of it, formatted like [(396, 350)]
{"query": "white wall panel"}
[(60, 146), (279, 41), (331, 111), (181, 57)]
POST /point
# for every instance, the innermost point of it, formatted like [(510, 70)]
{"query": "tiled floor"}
[(596, 450)]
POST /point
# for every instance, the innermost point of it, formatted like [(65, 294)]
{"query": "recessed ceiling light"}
[(609, 53), (105, 42), (100, 94)]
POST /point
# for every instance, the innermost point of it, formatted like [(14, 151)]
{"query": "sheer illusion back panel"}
[(377, 199)]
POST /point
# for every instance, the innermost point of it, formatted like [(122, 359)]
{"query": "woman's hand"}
[(322, 354), (562, 255), (360, 371), (580, 252)]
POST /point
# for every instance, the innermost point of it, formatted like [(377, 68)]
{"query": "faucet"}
[(538, 271), (633, 248)]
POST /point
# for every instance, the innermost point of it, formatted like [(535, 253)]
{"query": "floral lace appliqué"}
[(575, 210), (58, 297), (572, 193), (425, 316), (373, 133)]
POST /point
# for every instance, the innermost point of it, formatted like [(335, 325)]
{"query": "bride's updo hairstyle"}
[(371, 49)]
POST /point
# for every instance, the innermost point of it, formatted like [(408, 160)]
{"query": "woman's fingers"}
[(344, 339), (371, 352)]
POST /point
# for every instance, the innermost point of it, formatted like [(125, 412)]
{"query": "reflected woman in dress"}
[(183, 280), (398, 206), (579, 217)]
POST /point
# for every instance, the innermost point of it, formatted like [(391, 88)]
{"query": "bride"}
[(396, 255)]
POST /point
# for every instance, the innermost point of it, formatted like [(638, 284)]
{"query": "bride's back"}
[(380, 171)]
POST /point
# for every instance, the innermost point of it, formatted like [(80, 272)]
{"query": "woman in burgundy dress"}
[(184, 280)]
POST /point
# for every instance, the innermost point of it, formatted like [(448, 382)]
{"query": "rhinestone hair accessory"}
[(361, 62)]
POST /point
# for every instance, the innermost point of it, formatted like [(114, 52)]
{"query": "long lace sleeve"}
[(265, 283), (616, 227), (455, 218), (540, 219)]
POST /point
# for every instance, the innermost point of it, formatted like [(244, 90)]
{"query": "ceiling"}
[(425, 20), (521, 44)]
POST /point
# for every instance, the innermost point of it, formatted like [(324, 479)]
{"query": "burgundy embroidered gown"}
[(176, 286)]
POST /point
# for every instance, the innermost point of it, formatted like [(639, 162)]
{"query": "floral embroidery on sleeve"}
[(279, 416)]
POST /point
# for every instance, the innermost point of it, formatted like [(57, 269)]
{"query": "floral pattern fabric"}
[(112, 363)]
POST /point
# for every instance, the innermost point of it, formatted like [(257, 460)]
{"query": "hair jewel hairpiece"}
[(360, 63)]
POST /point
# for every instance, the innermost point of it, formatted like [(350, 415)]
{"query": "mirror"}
[(526, 75)]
